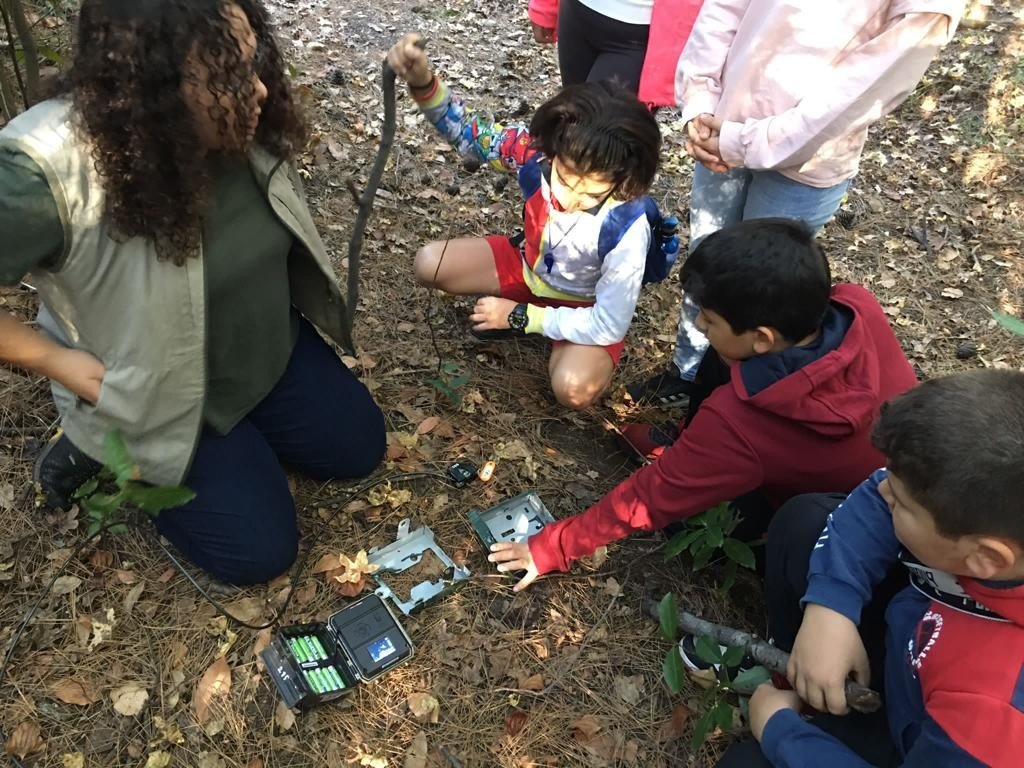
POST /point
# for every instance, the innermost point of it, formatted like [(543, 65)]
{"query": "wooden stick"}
[(858, 697)]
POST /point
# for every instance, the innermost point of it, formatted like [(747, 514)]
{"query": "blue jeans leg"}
[(241, 527), (758, 195), (717, 200)]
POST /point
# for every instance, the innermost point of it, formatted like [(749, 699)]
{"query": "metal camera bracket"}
[(513, 520), (405, 552)]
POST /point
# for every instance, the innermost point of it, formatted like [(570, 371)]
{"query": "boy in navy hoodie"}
[(948, 507), (808, 365)]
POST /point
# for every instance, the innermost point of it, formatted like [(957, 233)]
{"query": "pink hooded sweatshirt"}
[(799, 82), (671, 22)]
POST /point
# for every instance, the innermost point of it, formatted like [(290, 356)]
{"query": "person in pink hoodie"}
[(637, 42), (778, 97)]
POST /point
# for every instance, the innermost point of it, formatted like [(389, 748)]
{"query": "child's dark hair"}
[(762, 272), (601, 128), (957, 443)]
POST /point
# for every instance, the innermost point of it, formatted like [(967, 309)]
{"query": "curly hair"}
[(129, 68)]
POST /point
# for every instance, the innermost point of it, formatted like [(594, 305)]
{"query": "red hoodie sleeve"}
[(709, 463), (543, 13)]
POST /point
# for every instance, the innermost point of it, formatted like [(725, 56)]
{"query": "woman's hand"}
[(766, 701), (78, 371), (702, 134), (543, 35), (409, 62), (491, 312), (515, 557)]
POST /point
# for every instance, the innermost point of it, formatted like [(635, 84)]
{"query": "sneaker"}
[(667, 388), (60, 470)]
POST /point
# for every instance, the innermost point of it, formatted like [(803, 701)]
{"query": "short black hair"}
[(761, 272), (601, 127), (957, 443)]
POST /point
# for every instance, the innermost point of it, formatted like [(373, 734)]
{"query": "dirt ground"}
[(126, 665)]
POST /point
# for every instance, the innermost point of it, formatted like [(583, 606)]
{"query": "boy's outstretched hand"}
[(515, 557), (827, 650), (409, 62), (766, 701)]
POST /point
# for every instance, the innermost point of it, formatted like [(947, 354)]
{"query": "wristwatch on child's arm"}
[(517, 318)]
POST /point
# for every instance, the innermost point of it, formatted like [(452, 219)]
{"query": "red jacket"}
[(789, 423), (671, 22)]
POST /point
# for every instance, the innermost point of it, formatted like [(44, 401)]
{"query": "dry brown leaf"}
[(101, 559), (158, 759), (129, 700), (675, 726), (428, 424), (72, 760), (246, 608), (424, 707), (586, 728), (952, 293), (133, 597), (216, 681), (328, 562), (532, 683), (166, 576), (126, 577), (72, 691), (515, 722), (629, 688), (65, 585), (261, 642), (349, 578), (256, 762), (211, 760), (416, 756), (25, 740), (284, 717)]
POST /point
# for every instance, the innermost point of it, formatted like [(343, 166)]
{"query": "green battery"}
[(332, 672), (310, 653), (325, 682), (312, 681), (318, 646), (296, 648)]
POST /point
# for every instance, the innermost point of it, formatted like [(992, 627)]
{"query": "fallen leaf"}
[(211, 760), (349, 577), (169, 731), (675, 726), (72, 691), (158, 759), (515, 722), (416, 756), (102, 630), (428, 424), (25, 740), (256, 762), (261, 642), (133, 597), (246, 608), (284, 717), (630, 688), (532, 683), (952, 293), (424, 707), (328, 562), (83, 629), (216, 681), (129, 700), (612, 588), (73, 760), (166, 576), (65, 585), (126, 577), (101, 559), (516, 449), (585, 728)]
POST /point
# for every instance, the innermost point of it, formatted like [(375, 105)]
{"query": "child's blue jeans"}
[(718, 200)]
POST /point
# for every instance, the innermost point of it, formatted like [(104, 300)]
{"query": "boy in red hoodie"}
[(809, 365)]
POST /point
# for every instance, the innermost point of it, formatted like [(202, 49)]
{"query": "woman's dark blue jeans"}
[(319, 420)]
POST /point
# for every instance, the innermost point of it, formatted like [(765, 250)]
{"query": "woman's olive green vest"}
[(145, 319)]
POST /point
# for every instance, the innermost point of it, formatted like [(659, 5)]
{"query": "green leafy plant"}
[(449, 382), (117, 487), (718, 710), (708, 533), (1009, 322)]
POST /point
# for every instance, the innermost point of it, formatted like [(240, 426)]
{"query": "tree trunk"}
[(28, 46), (8, 96)]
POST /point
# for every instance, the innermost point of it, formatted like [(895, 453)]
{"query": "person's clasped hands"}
[(702, 135)]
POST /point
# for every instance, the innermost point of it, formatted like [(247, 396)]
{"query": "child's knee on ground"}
[(577, 384), (427, 262)]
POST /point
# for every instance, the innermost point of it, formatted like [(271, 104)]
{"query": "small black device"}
[(461, 473), (518, 319), (322, 661)]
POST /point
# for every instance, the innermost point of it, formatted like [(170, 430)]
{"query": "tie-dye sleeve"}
[(505, 147)]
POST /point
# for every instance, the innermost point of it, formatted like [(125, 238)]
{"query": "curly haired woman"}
[(156, 210)]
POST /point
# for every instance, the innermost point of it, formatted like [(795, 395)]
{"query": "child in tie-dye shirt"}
[(584, 166)]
